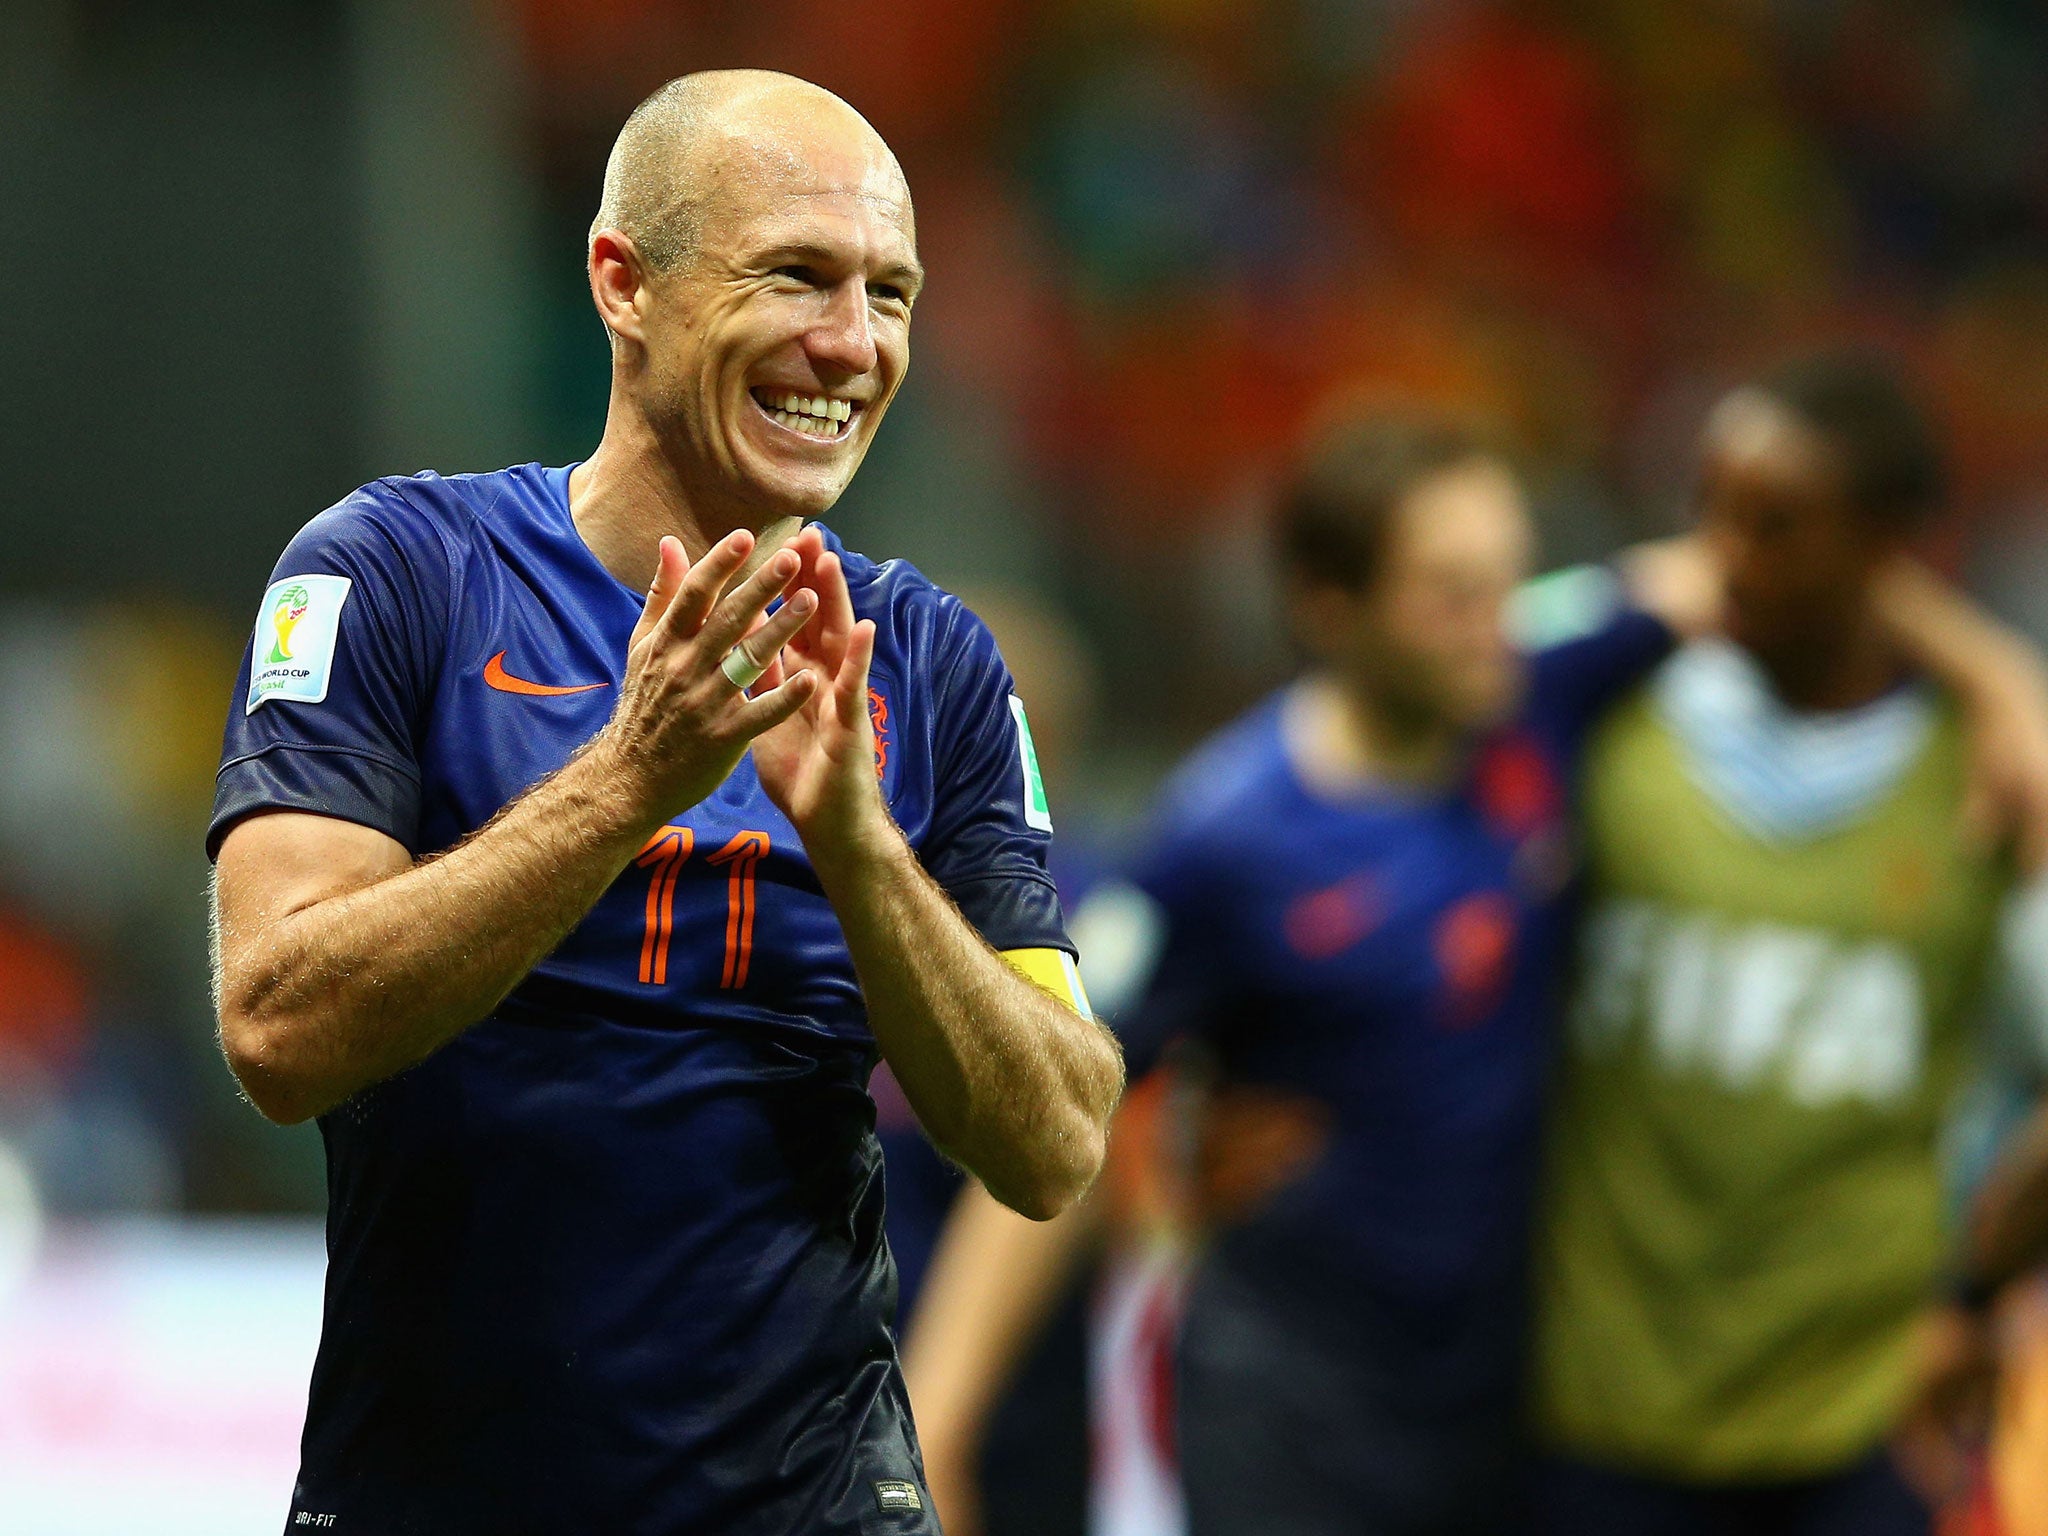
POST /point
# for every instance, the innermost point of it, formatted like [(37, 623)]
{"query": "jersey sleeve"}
[(1587, 646), (991, 827), (336, 677)]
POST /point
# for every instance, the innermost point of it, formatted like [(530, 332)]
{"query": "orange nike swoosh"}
[(498, 678)]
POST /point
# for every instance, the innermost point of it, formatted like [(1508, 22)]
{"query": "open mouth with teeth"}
[(813, 415)]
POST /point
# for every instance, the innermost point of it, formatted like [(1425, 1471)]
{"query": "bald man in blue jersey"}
[(578, 910)]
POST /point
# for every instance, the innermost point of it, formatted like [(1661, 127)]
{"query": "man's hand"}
[(1253, 1142), (1677, 580), (681, 725), (1947, 1420), (818, 762)]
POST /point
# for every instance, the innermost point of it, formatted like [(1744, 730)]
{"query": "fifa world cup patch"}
[(1037, 811), (293, 653), (897, 1495)]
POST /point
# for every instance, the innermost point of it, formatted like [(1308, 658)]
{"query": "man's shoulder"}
[(1232, 779), (893, 587), (920, 626), (418, 513)]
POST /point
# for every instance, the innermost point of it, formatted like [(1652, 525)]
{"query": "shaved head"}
[(697, 138)]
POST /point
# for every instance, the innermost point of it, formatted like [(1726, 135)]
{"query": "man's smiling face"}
[(777, 343)]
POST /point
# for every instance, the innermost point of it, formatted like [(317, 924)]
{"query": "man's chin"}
[(772, 497), (800, 489)]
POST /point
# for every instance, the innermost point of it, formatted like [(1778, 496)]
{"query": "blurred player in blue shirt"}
[(1364, 886), (579, 912)]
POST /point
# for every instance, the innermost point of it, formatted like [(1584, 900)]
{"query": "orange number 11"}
[(664, 854)]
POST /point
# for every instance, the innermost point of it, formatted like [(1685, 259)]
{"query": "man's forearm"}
[(1016, 1086), (353, 988), (993, 1279), (1999, 678), (1951, 638)]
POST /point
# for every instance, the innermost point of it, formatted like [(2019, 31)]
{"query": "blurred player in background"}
[(582, 953), (1783, 964), (1364, 888)]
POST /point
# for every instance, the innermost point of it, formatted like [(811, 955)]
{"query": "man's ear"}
[(618, 284)]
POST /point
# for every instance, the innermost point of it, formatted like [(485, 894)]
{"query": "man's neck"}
[(627, 496), (1857, 665), (1342, 740)]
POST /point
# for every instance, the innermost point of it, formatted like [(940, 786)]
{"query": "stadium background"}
[(252, 254)]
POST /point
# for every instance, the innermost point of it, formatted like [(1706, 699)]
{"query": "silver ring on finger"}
[(740, 669)]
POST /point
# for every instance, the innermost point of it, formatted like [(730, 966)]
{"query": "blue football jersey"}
[(1396, 957), (613, 1259)]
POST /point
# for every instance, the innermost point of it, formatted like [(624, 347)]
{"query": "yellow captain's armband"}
[(1053, 972)]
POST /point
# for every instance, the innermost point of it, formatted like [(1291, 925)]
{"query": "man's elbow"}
[(258, 1053), (1055, 1180)]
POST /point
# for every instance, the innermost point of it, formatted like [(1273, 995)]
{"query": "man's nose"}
[(844, 337)]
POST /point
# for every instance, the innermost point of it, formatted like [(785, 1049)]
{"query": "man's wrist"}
[(847, 853), (619, 806)]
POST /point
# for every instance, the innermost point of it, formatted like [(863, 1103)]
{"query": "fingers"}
[(824, 640), (671, 565), (762, 645), (809, 547), (850, 686), (706, 580), (835, 602), (737, 613), (767, 709)]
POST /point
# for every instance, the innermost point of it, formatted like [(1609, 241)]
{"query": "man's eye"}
[(805, 275), (887, 292)]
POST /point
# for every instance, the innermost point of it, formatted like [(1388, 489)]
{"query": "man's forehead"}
[(834, 202), (775, 181), (820, 219), (1752, 429)]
